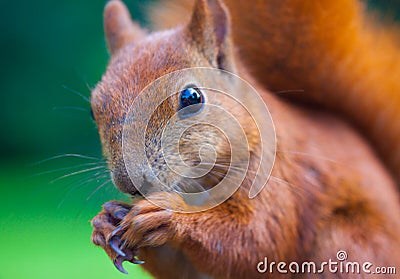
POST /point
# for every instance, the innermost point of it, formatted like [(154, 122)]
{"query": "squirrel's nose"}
[(122, 180)]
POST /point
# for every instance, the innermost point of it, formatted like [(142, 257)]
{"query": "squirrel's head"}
[(138, 63)]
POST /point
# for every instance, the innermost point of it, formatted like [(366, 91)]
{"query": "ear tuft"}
[(119, 28), (209, 28)]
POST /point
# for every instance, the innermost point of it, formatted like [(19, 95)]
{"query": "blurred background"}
[(52, 177)]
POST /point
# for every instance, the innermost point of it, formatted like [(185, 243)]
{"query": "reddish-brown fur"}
[(328, 191), (331, 52)]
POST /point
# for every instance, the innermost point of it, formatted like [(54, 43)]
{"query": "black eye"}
[(191, 101)]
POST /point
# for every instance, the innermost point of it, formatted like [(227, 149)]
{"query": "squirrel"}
[(328, 190), (334, 54)]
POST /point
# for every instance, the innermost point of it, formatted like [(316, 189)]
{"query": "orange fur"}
[(328, 191), (336, 54)]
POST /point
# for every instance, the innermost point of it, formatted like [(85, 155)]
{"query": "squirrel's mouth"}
[(136, 194)]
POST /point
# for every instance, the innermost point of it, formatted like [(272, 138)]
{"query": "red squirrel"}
[(327, 192), (333, 54)]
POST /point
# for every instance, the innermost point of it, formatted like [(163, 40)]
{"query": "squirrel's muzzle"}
[(122, 180)]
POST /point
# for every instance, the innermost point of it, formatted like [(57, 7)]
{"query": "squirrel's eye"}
[(191, 101)]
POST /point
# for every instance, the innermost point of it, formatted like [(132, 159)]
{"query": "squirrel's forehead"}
[(135, 66)]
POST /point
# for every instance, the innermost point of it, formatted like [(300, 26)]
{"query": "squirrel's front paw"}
[(121, 230), (105, 224)]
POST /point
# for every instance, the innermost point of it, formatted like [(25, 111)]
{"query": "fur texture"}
[(328, 191), (332, 53)]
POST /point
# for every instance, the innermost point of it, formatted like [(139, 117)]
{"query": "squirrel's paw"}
[(105, 224), (143, 225), (146, 225)]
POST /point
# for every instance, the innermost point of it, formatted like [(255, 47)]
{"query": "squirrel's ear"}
[(119, 27), (209, 29)]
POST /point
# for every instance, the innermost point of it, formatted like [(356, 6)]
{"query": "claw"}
[(117, 246), (136, 261), (114, 244), (118, 264), (134, 254), (128, 257)]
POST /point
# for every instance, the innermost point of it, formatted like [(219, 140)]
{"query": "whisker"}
[(65, 155), (98, 188), (83, 181), (227, 167), (190, 181), (75, 173), (99, 176), (294, 188), (76, 93), (72, 167), (88, 86), (85, 178), (71, 108), (104, 195)]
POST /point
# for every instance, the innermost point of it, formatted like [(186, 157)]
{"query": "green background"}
[(51, 52)]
